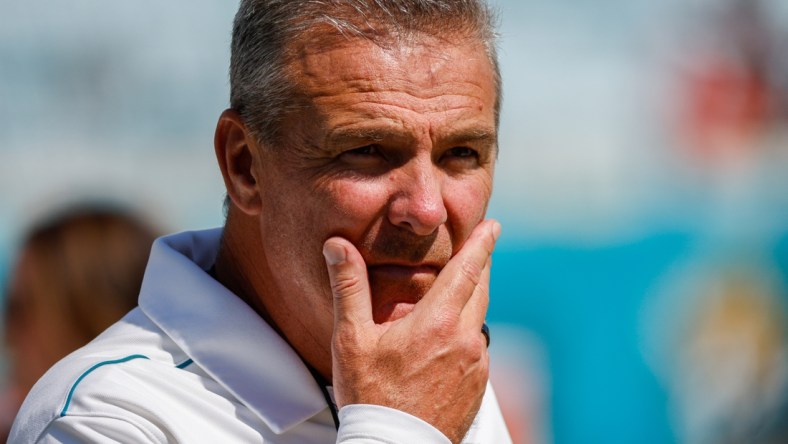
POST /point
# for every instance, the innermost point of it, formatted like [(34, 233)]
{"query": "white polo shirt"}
[(194, 363)]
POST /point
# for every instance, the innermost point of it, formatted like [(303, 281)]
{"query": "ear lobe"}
[(237, 151)]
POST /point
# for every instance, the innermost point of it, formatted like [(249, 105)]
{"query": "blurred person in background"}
[(76, 273)]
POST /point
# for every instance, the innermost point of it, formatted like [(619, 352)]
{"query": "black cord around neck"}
[(323, 384)]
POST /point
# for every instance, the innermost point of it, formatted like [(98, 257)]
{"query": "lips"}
[(397, 288), (404, 272)]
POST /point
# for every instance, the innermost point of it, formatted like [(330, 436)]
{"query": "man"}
[(353, 267)]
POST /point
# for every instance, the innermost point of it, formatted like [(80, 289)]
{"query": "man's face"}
[(395, 153)]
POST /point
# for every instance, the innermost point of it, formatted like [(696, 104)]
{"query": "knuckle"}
[(444, 321), (471, 271), (344, 285), (474, 347), (444, 325)]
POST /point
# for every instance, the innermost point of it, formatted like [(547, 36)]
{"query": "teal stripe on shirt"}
[(87, 372)]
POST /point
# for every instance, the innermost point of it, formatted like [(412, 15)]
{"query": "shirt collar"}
[(223, 335)]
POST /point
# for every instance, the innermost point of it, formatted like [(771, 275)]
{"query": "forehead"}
[(420, 74)]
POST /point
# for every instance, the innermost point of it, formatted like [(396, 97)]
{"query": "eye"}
[(367, 150), (363, 157), (461, 152), (460, 158)]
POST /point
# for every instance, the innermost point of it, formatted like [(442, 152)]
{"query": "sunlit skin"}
[(395, 153)]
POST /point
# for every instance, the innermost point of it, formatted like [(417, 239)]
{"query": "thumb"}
[(347, 274)]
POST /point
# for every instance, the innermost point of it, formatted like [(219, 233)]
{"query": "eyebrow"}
[(343, 135), (473, 134)]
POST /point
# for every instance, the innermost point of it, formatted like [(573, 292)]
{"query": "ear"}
[(237, 152)]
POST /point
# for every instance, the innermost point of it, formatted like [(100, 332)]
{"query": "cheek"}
[(466, 204), (350, 207)]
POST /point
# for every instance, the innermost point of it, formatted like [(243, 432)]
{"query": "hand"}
[(432, 363)]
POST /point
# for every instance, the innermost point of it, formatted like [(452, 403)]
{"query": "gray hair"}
[(260, 90)]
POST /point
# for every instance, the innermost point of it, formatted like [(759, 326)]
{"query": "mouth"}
[(397, 288), (403, 272)]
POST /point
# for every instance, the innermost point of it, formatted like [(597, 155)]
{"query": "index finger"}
[(456, 283)]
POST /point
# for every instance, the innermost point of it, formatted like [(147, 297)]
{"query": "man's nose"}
[(418, 204)]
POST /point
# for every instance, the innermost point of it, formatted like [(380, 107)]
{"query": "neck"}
[(233, 261), (243, 268)]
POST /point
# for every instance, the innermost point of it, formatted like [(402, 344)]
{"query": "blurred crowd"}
[(735, 82), (718, 330)]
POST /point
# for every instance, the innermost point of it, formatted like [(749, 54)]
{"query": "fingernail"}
[(333, 253), (496, 230)]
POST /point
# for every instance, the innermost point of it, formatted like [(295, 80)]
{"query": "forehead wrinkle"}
[(378, 86), (387, 104), (324, 77)]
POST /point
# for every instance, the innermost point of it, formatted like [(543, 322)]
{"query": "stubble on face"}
[(417, 92), (402, 267)]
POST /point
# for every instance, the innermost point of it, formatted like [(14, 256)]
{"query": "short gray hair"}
[(260, 90)]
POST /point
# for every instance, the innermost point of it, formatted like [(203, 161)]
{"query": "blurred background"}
[(639, 288)]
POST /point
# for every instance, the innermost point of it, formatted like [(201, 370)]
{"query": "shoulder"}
[(114, 370), (133, 384)]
